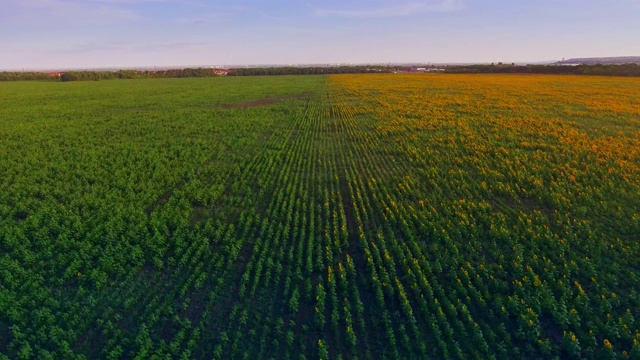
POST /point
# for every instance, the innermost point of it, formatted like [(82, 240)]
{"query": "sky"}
[(50, 34)]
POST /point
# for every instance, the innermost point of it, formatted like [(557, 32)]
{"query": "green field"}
[(290, 217)]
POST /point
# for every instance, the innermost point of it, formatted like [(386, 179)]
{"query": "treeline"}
[(136, 74), (317, 70), (188, 72), (205, 72), (606, 70), (20, 75), (82, 75)]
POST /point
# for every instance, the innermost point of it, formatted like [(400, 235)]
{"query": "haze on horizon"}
[(46, 34)]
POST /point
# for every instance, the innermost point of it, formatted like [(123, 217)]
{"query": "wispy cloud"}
[(208, 16), (394, 11), (69, 11), (126, 2), (95, 47), (216, 14), (203, 19)]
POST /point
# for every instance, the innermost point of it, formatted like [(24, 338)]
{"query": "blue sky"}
[(47, 34)]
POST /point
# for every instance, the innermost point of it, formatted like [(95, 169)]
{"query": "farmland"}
[(342, 216)]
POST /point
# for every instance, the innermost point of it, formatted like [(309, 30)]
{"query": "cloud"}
[(205, 18), (209, 14), (129, 47), (394, 11), (69, 11), (127, 2)]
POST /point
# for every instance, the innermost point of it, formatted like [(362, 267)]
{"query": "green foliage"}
[(85, 75), (318, 217), (583, 69), (26, 75)]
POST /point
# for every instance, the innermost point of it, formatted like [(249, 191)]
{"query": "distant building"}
[(223, 72)]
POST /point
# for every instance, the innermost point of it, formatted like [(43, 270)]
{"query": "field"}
[(343, 216)]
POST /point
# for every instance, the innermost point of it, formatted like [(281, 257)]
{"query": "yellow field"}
[(532, 182)]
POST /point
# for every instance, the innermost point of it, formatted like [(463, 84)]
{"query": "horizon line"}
[(257, 65)]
